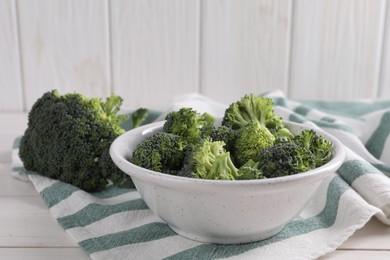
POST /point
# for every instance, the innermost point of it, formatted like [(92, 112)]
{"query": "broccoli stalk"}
[(68, 138)]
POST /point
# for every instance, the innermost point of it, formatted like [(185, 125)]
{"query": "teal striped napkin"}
[(117, 224)]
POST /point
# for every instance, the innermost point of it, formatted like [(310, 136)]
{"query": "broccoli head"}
[(139, 116), (161, 152), (318, 145), (283, 134), (189, 124), (251, 108), (68, 138), (250, 170), (209, 160), (250, 140), (225, 134), (284, 159)]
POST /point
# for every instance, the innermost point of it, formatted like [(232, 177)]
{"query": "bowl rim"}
[(119, 159)]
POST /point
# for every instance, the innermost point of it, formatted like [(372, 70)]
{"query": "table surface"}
[(29, 231)]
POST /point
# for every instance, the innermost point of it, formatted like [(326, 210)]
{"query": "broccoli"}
[(250, 140), (189, 124), (284, 159), (251, 143), (139, 116), (252, 108), (225, 134), (68, 138), (209, 160), (161, 152), (283, 135), (318, 145), (250, 170)]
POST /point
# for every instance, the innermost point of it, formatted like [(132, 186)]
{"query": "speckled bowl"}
[(225, 212)]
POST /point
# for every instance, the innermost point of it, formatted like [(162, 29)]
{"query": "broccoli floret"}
[(284, 159), (250, 170), (161, 152), (250, 140), (209, 160), (189, 124), (318, 145), (252, 108), (225, 134), (283, 135), (139, 116), (68, 138)]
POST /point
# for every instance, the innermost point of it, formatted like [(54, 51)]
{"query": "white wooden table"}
[(28, 230)]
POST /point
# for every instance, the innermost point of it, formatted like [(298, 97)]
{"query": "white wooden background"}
[(149, 51)]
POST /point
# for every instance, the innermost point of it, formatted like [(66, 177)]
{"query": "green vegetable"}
[(284, 159), (68, 138), (252, 108), (318, 145), (209, 160), (250, 140), (161, 152), (250, 170), (139, 116), (189, 124), (252, 143), (225, 134)]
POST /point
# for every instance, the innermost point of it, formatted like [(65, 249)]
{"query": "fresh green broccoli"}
[(250, 140), (251, 108), (250, 170), (209, 160), (161, 152), (68, 138), (252, 143), (283, 135), (318, 145), (139, 116), (189, 124), (284, 159), (225, 134)]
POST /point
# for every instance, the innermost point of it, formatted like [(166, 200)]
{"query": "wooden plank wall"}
[(149, 51)]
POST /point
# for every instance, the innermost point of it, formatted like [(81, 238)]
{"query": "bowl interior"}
[(122, 148)]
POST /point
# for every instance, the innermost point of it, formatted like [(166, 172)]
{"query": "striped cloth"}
[(117, 224)]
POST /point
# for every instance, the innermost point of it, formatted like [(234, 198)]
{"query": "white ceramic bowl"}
[(218, 211)]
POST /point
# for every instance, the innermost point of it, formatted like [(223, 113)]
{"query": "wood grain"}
[(384, 87), (356, 255), (43, 253), (371, 236), (245, 47), (25, 219), (155, 49), (152, 51), (64, 47), (336, 48), (11, 96), (12, 126)]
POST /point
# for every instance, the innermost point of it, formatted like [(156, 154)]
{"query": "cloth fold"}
[(117, 224)]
